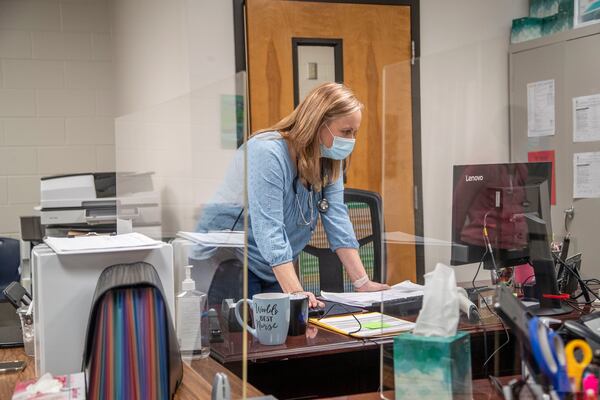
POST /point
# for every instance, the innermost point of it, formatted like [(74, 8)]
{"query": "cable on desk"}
[(581, 281), (485, 348), (492, 312), (575, 305), (481, 324), (346, 309), (505, 332)]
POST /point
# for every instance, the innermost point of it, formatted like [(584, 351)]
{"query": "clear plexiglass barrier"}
[(483, 196), (443, 209), (181, 179)]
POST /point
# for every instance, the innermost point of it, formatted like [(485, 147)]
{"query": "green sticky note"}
[(376, 325)]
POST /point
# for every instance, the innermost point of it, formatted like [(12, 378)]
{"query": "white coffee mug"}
[(271, 316)]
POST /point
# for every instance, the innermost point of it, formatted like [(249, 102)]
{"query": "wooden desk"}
[(8, 381), (482, 390), (317, 342), (331, 363), (197, 378), (319, 363)]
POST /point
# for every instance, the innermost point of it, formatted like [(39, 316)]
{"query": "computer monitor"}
[(501, 217)]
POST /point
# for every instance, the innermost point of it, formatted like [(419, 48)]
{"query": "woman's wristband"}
[(360, 282)]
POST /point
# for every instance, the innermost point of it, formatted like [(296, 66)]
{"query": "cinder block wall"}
[(56, 97)]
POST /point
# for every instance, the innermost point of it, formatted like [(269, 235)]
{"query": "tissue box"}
[(73, 389), (543, 8), (557, 23), (526, 28), (432, 367)]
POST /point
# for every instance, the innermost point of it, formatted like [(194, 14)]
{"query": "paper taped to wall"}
[(586, 118), (586, 175), (540, 108)]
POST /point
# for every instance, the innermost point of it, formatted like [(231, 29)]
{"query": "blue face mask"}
[(340, 149)]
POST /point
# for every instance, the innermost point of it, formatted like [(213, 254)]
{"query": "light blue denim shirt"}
[(277, 232)]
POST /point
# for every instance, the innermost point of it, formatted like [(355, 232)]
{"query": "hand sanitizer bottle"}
[(192, 324)]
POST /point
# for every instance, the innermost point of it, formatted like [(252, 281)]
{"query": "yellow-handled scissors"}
[(576, 367)]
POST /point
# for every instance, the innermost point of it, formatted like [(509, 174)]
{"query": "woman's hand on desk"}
[(312, 300), (287, 278), (372, 287)]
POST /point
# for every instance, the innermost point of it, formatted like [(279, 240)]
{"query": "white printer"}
[(89, 202), (63, 289)]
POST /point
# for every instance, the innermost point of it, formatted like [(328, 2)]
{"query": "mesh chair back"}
[(321, 269)]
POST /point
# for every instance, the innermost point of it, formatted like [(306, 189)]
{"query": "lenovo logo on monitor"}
[(473, 178)]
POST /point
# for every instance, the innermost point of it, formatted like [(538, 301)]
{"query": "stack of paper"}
[(99, 243), (365, 325), (365, 299), (215, 239), (408, 286)]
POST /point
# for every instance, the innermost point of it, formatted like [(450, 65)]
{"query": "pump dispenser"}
[(188, 283), (192, 324)]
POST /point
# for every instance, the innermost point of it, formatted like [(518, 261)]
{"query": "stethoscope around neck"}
[(322, 204)]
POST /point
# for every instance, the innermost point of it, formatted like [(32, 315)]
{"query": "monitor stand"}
[(535, 309), (545, 282)]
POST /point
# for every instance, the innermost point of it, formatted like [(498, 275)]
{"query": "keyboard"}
[(399, 307)]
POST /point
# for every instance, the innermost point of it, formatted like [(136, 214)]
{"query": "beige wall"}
[(150, 52), (167, 49), (56, 107), (464, 101)]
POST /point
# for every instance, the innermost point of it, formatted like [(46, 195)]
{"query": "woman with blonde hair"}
[(294, 176)]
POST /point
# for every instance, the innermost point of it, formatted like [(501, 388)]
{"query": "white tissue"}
[(45, 385), (439, 314)]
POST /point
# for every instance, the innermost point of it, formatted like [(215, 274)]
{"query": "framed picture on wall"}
[(586, 12)]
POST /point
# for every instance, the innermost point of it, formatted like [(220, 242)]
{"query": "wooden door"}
[(374, 38)]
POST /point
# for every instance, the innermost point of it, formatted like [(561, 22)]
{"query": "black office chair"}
[(227, 283), (321, 269), (10, 260)]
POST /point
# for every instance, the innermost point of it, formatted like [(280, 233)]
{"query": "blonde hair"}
[(301, 128)]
